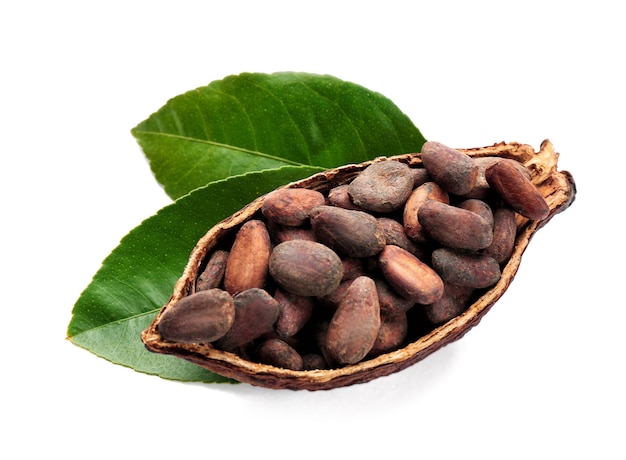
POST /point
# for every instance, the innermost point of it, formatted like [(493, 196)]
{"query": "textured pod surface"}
[(557, 188)]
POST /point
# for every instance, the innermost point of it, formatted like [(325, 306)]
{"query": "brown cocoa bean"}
[(382, 187), (353, 233), (247, 265), (455, 227), (479, 207), (389, 300), (339, 197), (255, 314), (420, 176), (394, 234), (305, 268), (409, 276), (295, 311), (353, 267), (280, 234), (392, 332), (517, 190), (291, 206), (295, 233), (482, 190), (202, 317), (504, 232), (313, 361), (452, 303), (213, 274), (419, 196), (354, 326), (334, 298), (279, 353), (453, 170), (466, 269)]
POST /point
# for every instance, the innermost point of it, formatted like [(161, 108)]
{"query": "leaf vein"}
[(117, 321), (226, 146)]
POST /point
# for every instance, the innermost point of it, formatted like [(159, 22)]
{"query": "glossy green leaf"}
[(253, 122), (138, 277)]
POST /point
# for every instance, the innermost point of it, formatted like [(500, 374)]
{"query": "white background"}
[(542, 376)]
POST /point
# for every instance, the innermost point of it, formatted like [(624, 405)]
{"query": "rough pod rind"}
[(557, 187)]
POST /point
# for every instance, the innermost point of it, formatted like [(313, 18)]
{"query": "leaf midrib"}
[(226, 146), (154, 311)]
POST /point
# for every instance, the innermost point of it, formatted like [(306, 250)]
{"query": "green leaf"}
[(138, 277), (253, 122)]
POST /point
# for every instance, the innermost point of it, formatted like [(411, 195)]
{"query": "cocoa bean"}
[(392, 332), (504, 232), (213, 274), (313, 361), (382, 187), (280, 233), (479, 207), (389, 300), (353, 233), (466, 269), (255, 314), (409, 276), (481, 190), (291, 206), (455, 227), (279, 353), (419, 196), (354, 326), (420, 176), (247, 265), (339, 197), (452, 303), (202, 317), (517, 190), (295, 311), (353, 267), (394, 234), (305, 268), (334, 298), (453, 170)]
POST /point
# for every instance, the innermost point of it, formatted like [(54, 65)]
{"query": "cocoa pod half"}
[(556, 187)]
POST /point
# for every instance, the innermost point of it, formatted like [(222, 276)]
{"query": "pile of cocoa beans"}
[(319, 280)]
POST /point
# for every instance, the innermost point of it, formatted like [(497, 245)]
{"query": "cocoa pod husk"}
[(557, 187)]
